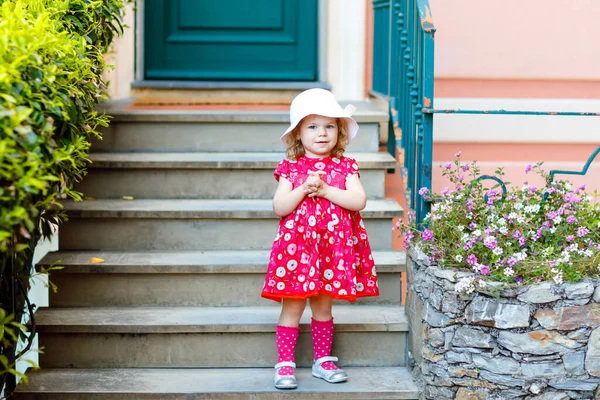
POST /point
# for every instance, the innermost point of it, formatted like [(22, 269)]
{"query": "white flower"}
[(558, 220), (513, 215), (503, 230), (458, 258), (525, 188), (477, 233), (460, 228), (568, 186), (497, 251), (481, 283), (470, 215), (464, 237), (588, 253), (521, 220), (519, 206), (508, 271), (501, 222), (558, 278), (465, 285), (552, 230)]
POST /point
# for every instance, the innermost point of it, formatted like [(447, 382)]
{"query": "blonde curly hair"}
[(295, 150)]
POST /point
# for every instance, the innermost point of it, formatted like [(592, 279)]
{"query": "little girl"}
[(321, 251)]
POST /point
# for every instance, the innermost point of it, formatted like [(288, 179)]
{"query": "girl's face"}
[(318, 135)]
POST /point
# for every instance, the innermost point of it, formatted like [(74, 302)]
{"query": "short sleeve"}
[(282, 170), (351, 167)]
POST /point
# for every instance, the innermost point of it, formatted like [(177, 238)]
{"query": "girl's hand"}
[(320, 191), (313, 182)]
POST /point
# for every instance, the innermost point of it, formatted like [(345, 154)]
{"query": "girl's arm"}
[(353, 198), (286, 198)]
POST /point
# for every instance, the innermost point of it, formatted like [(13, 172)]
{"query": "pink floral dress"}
[(320, 247)]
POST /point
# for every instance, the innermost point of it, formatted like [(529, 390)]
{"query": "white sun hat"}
[(320, 102)]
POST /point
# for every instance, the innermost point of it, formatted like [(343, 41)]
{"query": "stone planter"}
[(533, 342)]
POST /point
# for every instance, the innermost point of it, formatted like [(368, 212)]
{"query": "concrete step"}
[(193, 278), (205, 175), (212, 384), (209, 337), (221, 130), (178, 224)]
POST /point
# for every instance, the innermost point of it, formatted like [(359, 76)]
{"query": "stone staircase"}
[(174, 311)]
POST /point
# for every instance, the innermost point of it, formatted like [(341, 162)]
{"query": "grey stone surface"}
[(537, 387), (596, 295), (574, 362), (536, 342), (156, 384), (452, 304), (552, 357), (542, 370), (448, 337), (575, 384), (580, 334), (501, 379), (454, 357), (592, 357), (437, 392), (207, 319), (469, 337), (435, 318), (569, 318), (578, 290), (492, 313), (436, 337), (436, 298), (542, 293), (551, 396), (498, 365)]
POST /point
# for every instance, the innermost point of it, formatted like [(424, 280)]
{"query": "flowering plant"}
[(517, 236)]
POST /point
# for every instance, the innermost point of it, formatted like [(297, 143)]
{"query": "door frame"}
[(321, 51)]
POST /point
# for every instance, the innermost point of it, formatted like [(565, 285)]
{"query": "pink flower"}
[(448, 165), (458, 154), (423, 191), (427, 235), (571, 219), (445, 191), (484, 269), (465, 167), (471, 259), (582, 231), (528, 168)]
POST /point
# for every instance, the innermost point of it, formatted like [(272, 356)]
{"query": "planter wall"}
[(532, 342)]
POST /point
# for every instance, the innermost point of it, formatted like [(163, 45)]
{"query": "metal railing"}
[(403, 73), (403, 53)]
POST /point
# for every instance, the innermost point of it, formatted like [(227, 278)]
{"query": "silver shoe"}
[(331, 376), (285, 381)]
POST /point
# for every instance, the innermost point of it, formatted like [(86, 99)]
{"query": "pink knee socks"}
[(286, 337), (322, 337)]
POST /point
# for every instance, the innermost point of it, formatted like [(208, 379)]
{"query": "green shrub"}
[(51, 64)]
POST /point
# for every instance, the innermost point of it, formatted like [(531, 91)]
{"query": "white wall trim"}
[(517, 128), (139, 41), (346, 48)]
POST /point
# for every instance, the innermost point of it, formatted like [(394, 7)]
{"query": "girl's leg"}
[(321, 328), (287, 332)]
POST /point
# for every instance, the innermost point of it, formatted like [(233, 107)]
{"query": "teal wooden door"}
[(230, 40)]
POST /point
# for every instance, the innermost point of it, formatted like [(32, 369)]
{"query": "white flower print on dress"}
[(304, 258), (312, 272), (289, 224), (320, 165), (311, 286), (328, 274), (335, 160), (342, 292), (292, 264), (337, 284), (301, 278), (328, 287), (280, 285), (280, 272), (287, 237), (312, 220), (291, 249), (360, 287)]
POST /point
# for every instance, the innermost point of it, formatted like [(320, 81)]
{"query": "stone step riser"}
[(104, 290), (188, 234), (210, 136), (198, 183), (205, 350)]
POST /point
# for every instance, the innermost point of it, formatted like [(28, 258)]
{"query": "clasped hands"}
[(314, 186)]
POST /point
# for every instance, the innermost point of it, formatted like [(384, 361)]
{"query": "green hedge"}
[(51, 64)]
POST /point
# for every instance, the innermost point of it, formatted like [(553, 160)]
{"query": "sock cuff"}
[(291, 329), (316, 322)]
